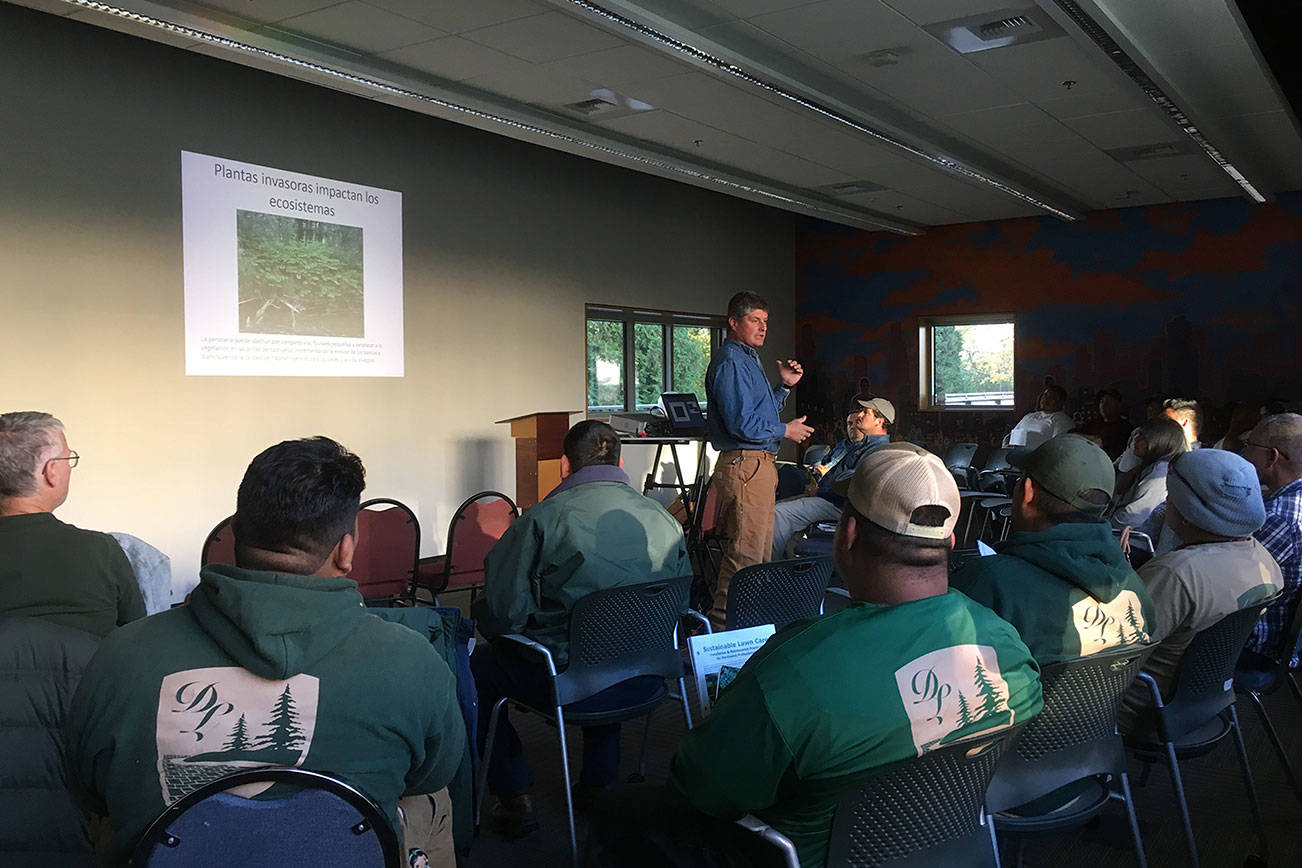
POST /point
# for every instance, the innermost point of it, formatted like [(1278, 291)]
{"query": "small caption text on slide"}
[(249, 349)]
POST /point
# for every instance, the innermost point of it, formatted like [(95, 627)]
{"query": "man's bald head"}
[(1275, 449)]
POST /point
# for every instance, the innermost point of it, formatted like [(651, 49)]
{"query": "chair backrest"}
[(1075, 736), (1204, 683), (388, 547), (476, 526), (792, 479), (815, 453), (777, 593), (925, 811), (324, 822), (998, 459), (705, 518), (621, 633), (219, 545)]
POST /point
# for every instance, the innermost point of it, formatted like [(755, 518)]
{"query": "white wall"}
[(504, 243)]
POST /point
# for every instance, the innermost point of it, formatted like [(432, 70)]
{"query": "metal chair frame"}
[(1267, 682), (1073, 738), (457, 517), (373, 818), (593, 668), (1201, 712)]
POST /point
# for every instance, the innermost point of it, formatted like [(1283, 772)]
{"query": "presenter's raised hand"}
[(798, 431), (790, 372)]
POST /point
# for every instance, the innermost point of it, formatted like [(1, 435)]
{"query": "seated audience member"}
[(1186, 412), (273, 662), (1242, 418), (1044, 423), (828, 702), (1143, 489), (866, 429), (1274, 448), (48, 569), (1213, 506), (1061, 578), (593, 532), (1154, 408), (1111, 428)]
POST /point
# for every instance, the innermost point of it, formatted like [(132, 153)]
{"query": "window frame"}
[(926, 356), (632, 316)]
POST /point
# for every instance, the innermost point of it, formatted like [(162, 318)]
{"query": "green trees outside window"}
[(647, 351), (971, 364)]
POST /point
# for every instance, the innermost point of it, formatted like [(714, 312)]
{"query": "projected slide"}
[(289, 274)]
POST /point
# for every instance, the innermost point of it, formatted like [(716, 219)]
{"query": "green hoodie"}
[(1068, 590), (260, 669)]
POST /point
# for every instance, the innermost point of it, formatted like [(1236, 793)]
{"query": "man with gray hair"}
[(48, 569), (1274, 448)]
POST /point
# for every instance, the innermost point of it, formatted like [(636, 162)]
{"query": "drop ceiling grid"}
[(356, 25)]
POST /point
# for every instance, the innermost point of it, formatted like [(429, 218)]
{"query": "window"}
[(635, 355), (966, 362)]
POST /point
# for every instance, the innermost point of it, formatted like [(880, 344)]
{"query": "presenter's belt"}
[(730, 454)]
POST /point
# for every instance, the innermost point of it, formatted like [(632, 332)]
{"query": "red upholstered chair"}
[(388, 546), (219, 545), (476, 526)]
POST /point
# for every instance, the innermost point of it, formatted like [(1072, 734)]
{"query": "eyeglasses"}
[(72, 458), (1247, 443)]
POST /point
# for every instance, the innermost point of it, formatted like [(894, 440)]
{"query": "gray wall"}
[(503, 244)]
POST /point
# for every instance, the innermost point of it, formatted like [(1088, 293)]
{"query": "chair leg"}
[(1247, 780), (1134, 821), (682, 696), (1275, 740), (1182, 804), (639, 776), (486, 758), (569, 796), (1297, 692), (994, 839)]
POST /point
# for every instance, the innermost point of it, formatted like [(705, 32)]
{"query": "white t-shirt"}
[(1038, 426)]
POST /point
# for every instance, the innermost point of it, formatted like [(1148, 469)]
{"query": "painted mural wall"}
[(1195, 299)]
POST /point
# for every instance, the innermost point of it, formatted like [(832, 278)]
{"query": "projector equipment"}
[(630, 424)]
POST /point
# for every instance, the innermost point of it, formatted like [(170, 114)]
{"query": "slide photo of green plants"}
[(299, 277)]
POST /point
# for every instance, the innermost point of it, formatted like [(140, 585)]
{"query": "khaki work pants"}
[(746, 481), (427, 825)]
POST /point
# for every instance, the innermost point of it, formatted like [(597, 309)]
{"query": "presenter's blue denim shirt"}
[(742, 409)]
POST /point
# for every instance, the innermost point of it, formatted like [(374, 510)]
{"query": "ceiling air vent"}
[(997, 29), (850, 188), (604, 103)]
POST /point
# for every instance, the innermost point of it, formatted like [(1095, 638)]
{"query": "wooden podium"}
[(539, 438)]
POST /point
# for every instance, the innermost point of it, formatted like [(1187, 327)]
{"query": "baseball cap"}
[(892, 481), (881, 406), (1070, 468)]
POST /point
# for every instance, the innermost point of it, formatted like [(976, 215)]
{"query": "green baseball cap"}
[(1070, 468)]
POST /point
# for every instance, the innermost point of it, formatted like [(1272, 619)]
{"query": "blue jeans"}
[(503, 671)]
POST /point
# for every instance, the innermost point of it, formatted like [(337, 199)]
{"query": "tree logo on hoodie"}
[(953, 693), (1101, 625), (215, 721)]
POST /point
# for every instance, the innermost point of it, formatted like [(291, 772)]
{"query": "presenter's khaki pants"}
[(746, 481)]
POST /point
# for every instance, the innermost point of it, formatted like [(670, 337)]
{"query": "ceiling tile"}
[(1126, 129), (268, 10), (1040, 70), (903, 207), (1181, 174), (934, 11), (540, 38), (833, 28), (616, 68), (457, 16), (923, 80), (456, 59), (357, 25)]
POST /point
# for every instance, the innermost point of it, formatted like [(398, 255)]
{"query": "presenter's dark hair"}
[(744, 302), (591, 442), (297, 496)]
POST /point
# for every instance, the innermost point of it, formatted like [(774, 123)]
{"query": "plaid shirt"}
[(1282, 537)]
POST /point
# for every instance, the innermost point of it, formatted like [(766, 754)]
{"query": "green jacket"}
[(259, 669), (594, 532), (74, 577), (830, 701), (1068, 590)]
